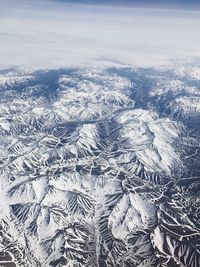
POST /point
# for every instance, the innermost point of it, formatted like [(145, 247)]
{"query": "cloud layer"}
[(49, 34)]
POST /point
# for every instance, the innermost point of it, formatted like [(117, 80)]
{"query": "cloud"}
[(49, 34)]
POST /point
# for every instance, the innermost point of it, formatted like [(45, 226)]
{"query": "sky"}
[(57, 33)]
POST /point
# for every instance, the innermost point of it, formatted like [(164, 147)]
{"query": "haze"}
[(49, 34)]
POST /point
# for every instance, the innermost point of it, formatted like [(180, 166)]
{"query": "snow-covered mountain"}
[(100, 167)]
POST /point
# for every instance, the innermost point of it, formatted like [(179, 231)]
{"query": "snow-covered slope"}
[(99, 167)]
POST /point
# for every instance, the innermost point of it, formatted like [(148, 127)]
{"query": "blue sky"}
[(58, 33), (177, 3)]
